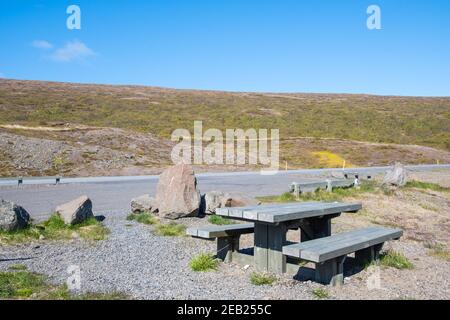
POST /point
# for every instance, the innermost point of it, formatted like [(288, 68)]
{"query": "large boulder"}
[(218, 199), (12, 216), (143, 203), (177, 195), (396, 177), (76, 211)]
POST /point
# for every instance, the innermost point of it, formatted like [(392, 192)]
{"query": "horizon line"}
[(230, 91)]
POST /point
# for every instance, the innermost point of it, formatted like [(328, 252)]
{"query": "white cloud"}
[(42, 44), (73, 50)]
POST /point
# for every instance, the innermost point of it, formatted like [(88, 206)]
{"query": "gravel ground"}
[(145, 266), (134, 261)]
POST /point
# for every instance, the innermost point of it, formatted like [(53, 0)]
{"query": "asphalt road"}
[(114, 194)]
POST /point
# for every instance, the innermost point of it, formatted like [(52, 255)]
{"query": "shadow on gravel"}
[(15, 259), (350, 268), (100, 218)]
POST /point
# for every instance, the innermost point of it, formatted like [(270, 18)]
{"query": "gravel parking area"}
[(135, 261)]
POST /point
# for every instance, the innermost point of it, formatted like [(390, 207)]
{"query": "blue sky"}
[(246, 45)]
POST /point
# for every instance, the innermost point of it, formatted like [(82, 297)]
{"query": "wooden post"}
[(276, 258), (268, 253), (261, 246), (364, 256), (297, 190), (226, 246), (331, 271), (329, 186)]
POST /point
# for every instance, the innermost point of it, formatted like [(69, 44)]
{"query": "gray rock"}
[(396, 177), (177, 195), (213, 200), (219, 199), (12, 216), (76, 211), (143, 203)]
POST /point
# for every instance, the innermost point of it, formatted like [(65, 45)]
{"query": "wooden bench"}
[(227, 237), (311, 186), (329, 253)]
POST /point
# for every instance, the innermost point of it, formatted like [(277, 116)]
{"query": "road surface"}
[(110, 194)]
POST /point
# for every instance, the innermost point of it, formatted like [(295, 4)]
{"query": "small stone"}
[(75, 235), (143, 203)]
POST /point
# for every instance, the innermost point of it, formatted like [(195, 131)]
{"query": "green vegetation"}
[(219, 220), (27, 285), (203, 262), (171, 229), (260, 279), (20, 284), (404, 120), (395, 259), (426, 185), (145, 218), (55, 229), (321, 293)]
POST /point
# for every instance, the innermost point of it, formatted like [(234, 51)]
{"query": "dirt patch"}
[(76, 150)]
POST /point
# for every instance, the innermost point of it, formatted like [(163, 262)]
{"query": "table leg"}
[(269, 241), (317, 227)]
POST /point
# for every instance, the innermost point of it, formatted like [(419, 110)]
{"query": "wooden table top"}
[(283, 212)]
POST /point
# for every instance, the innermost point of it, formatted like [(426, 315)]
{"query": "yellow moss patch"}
[(330, 160)]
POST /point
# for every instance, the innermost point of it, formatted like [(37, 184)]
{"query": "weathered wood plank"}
[(209, 232), (324, 249), (311, 186), (291, 211), (261, 247), (276, 240)]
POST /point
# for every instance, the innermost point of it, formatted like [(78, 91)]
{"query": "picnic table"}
[(272, 222)]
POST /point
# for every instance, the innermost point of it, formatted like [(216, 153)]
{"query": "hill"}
[(314, 128)]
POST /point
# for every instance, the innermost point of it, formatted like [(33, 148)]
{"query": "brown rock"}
[(143, 203), (214, 200), (76, 211), (218, 199), (239, 200), (176, 194)]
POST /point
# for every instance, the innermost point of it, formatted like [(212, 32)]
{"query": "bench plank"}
[(211, 232), (323, 249)]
